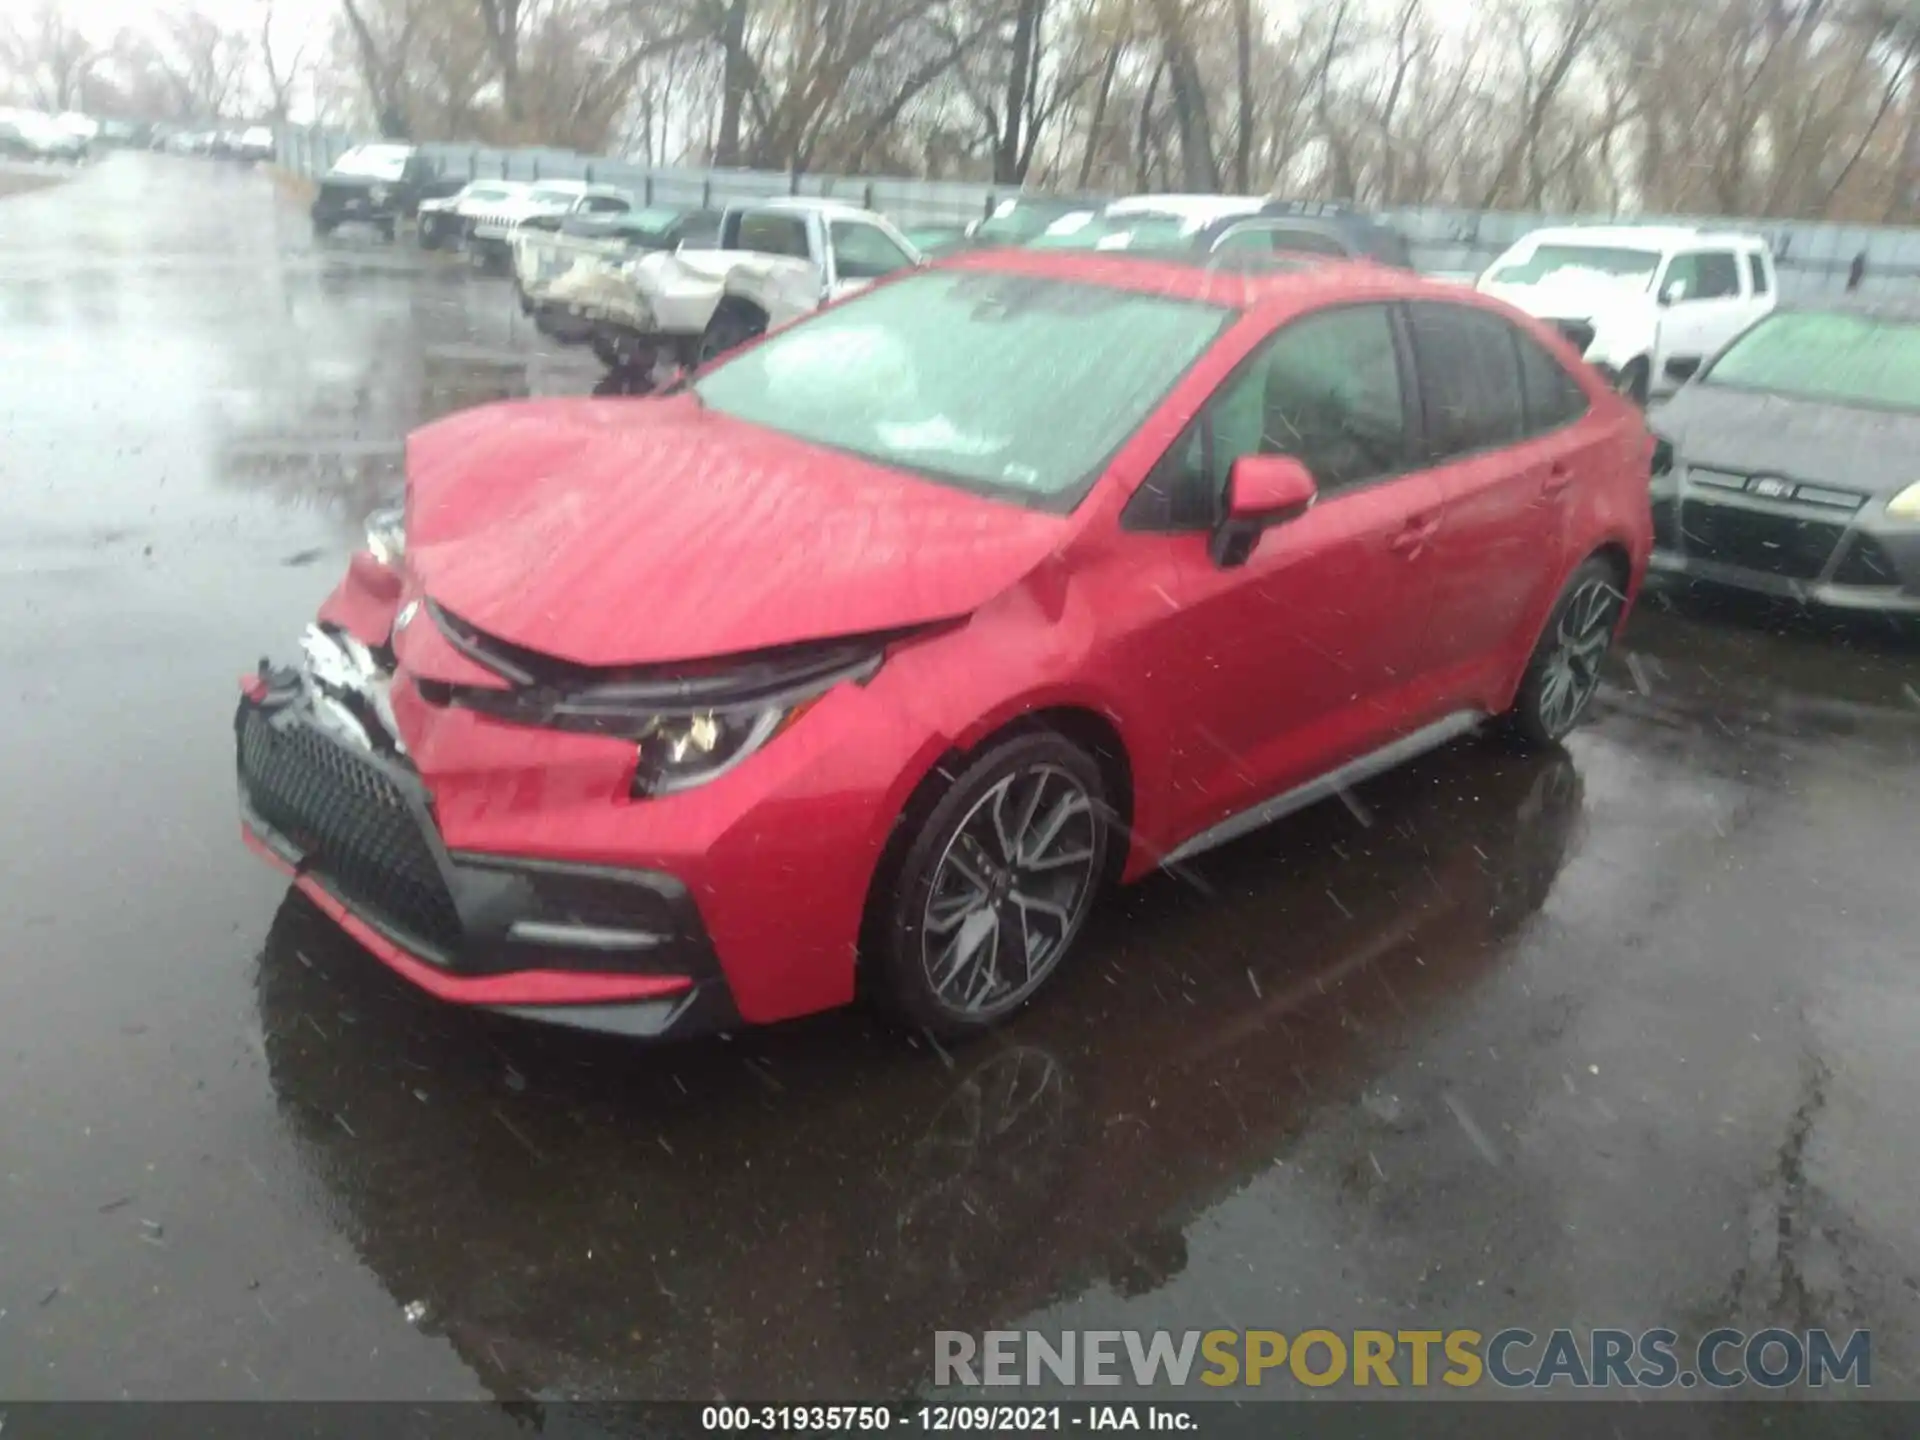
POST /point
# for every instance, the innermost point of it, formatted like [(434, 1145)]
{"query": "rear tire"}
[(1564, 672), (993, 888)]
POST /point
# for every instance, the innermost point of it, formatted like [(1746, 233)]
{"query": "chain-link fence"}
[(1811, 257)]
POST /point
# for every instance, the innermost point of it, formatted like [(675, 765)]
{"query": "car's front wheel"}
[(994, 886), (732, 325), (1564, 672)]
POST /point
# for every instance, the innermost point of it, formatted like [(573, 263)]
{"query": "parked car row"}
[(31, 135), (667, 293)]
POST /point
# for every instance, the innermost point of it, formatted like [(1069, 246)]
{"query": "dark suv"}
[(378, 185)]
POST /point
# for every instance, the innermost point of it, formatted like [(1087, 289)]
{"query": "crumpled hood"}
[(1752, 433), (615, 532)]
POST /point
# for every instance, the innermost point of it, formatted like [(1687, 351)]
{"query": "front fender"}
[(782, 290), (1622, 336)]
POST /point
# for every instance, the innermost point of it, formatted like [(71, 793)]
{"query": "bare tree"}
[(280, 70), (48, 56)]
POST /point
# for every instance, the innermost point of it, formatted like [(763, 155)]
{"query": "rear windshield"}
[(1813, 355), (372, 162), (1015, 223), (1142, 230), (1614, 261), (1005, 384)]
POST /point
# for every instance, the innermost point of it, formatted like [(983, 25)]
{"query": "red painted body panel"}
[(624, 532)]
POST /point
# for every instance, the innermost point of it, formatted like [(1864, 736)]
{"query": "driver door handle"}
[(1559, 477)]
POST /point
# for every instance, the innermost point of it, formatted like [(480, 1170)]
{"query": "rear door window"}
[(1470, 387), (1757, 272)]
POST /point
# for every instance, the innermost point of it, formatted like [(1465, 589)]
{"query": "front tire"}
[(1564, 673), (994, 888), (732, 326), (1635, 382)]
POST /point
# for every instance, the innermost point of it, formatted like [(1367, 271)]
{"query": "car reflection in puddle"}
[(794, 1211)]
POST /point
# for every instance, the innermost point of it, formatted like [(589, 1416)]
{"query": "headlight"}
[(378, 194), (682, 751), (387, 535), (689, 726), (1906, 505)]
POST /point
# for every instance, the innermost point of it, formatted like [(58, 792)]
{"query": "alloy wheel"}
[(1010, 891), (1581, 639)]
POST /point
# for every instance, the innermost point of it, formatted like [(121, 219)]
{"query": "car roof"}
[(1195, 209), (1235, 287), (1641, 237)]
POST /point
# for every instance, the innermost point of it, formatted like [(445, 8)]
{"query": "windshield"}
[(1014, 224), (1811, 355), (372, 162), (552, 195), (1140, 230), (1001, 383), (1614, 261), (488, 192)]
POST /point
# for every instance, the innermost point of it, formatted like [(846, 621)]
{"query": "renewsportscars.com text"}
[(1512, 1358)]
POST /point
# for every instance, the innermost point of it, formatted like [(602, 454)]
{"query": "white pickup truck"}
[(775, 261), (491, 228), (1646, 304)]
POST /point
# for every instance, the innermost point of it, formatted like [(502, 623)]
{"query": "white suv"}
[(1646, 304)]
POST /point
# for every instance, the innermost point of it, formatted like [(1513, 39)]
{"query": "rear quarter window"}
[(1553, 398)]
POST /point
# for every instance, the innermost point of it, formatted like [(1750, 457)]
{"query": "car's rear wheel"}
[(1564, 672), (994, 887)]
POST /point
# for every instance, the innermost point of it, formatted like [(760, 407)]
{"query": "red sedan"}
[(868, 657)]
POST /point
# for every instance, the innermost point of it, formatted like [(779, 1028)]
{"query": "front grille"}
[(1758, 540), (354, 823), (1867, 563), (1578, 332)]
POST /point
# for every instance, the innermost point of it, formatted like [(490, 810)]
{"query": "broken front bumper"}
[(590, 946)]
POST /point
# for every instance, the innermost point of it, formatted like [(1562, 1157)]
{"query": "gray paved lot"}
[(1620, 1036)]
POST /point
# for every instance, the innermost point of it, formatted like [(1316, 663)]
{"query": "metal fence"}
[(1811, 257)]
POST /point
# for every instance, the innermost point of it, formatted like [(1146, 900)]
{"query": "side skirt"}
[(1407, 747)]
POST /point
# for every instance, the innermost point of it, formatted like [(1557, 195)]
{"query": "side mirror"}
[(1262, 491), (1675, 292)]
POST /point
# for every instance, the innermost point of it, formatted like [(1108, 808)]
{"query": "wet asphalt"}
[(1623, 1035)]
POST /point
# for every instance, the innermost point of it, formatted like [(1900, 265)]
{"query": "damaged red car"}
[(863, 661)]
